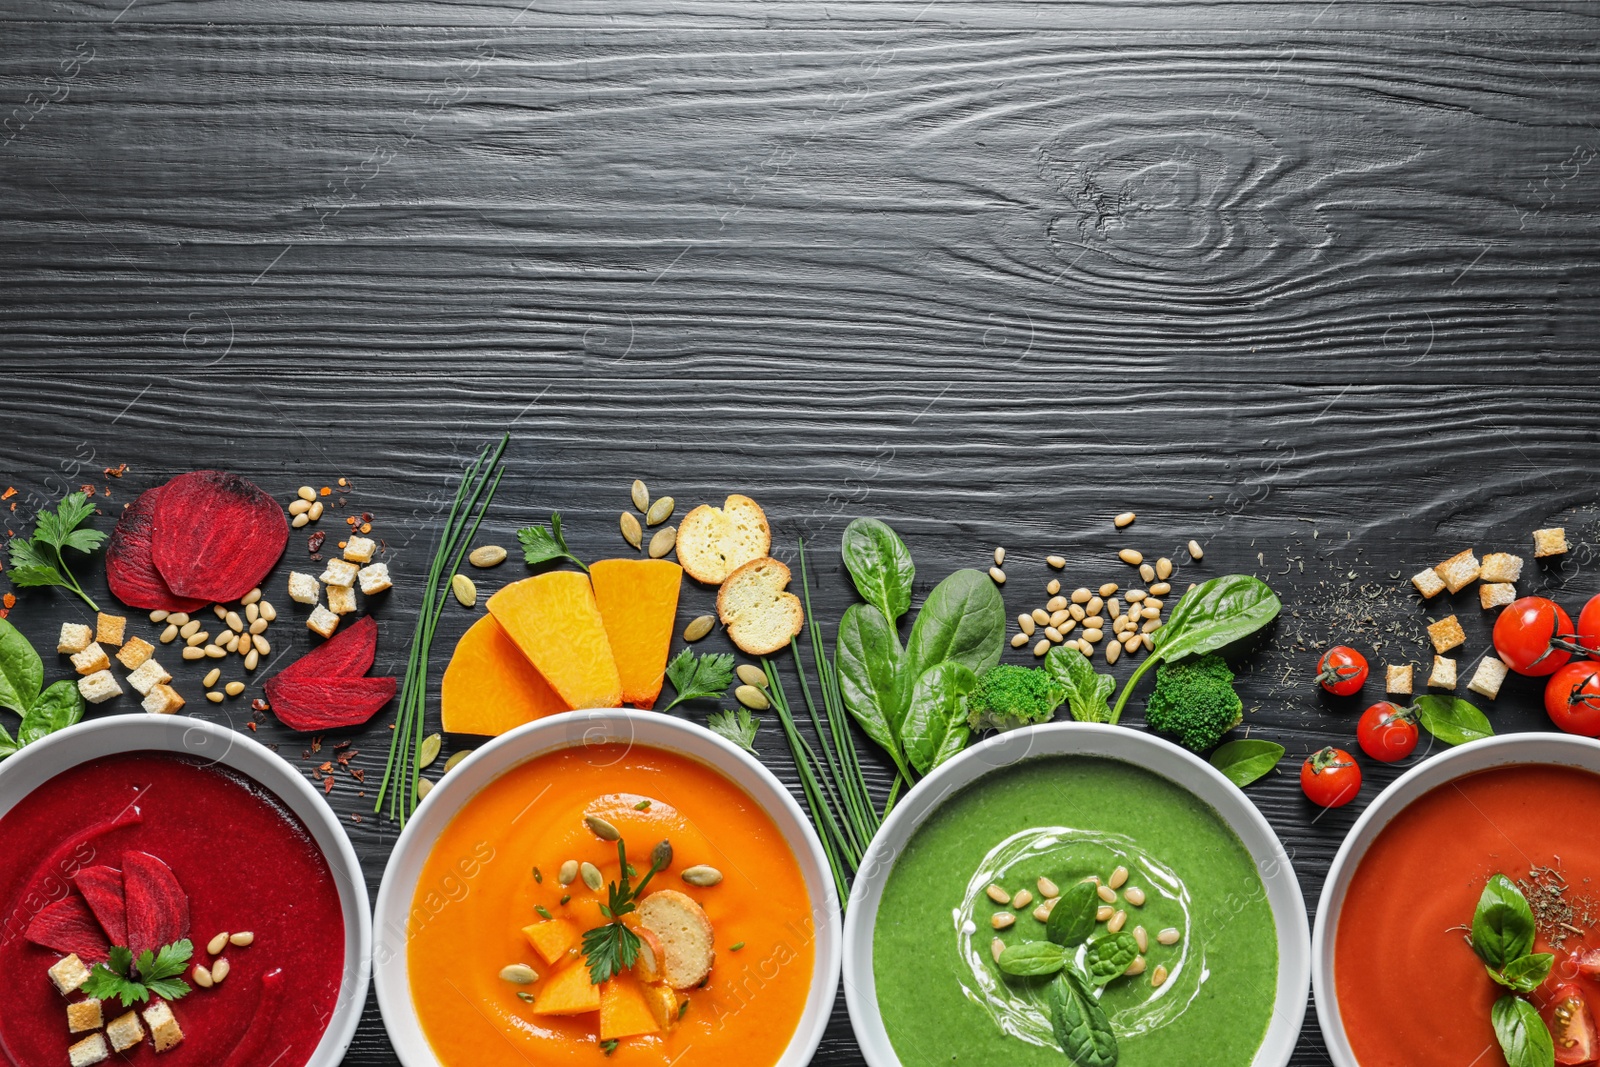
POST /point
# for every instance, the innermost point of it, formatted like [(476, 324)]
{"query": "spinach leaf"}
[(1109, 957), (7, 745), (1086, 691), (1452, 720), (867, 660), (881, 565), (1081, 1027), (1242, 762), (935, 707), (21, 670), (1521, 1033), (954, 741), (1502, 926), (1525, 973), (1072, 920), (1032, 959), (962, 621), (57, 708)]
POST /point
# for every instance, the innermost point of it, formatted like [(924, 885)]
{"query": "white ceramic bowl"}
[(1082, 739), (575, 729), (1565, 750), (180, 735)]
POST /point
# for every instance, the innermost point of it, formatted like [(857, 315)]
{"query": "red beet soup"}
[(239, 861)]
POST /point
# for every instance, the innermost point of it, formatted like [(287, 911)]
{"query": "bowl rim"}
[(184, 735), (1104, 740), (1439, 770), (593, 726)]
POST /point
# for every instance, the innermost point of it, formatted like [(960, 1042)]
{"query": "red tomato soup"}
[(236, 861), (1411, 991)]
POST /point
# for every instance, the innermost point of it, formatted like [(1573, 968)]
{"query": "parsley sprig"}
[(613, 947), (38, 562), (541, 546), (699, 677), (739, 727), (155, 973)]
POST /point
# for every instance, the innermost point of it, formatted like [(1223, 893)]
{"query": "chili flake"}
[(118, 471), (9, 600)]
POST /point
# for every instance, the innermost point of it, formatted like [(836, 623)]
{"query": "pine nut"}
[(215, 651), (1027, 624), (1134, 896), (1155, 602), (1149, 644), (1109, 589), (1130, 644), (158, 616), (298, 521), (1163, 568), (1113, 653), (252, 597), (1018, 640), (1053, 635), (1195, 552), (258, 627), (998, 575), (1118, 877), (1158, 977), (1077, 612), (1147, 572), (1002, 919), (233, 689), (1103, 913), (1047, 888), (1136, 967), (211, 677), (1118, 921), (996, 947), (269, 612), (189, 629), (306, 493), (1160, 589), (1041, 616), (1059, 617), (1094, 606), (999, 557), (220, 612), (1052, 587), (1169, 936), (316, 511), (1136, 595), (1123, 520), (299, 507), (1081, 595), (1055, 561), (262, 645), (235, 623), (242, 939), (1114, 607), (198, 639), (202, 977), (1107, 894), (1056, 603), (1041, 646), (218, 943), (251, 660), (1022, 899), (1092, 621), (1042, 912), (252, 612), (1131, 556), (194, 652), (1141, 939), (1093, 634), (219, 970), (169, 635), (1085, 647), (231, 644), (178, 618)]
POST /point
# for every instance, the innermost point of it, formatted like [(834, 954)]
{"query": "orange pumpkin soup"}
[(496, 872)]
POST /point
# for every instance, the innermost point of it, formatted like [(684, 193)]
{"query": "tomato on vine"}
[(1330, 778), (1387, 732), (1572, 697), (1341, 670), (1528, 636), (1588, 635)]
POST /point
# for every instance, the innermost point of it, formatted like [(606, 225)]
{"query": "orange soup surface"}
[(1411, 991), (478, 890)]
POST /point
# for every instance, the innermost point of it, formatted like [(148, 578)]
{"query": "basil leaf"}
[(1216, 614), (1072, 920), (57, 708), (1109, 957), (1525, 973), (881, 565), (21, 670), (1502, 926), (954, 741), (1452, 720), (1032, 959), (1081, 1027), (1086, 691), (962, 621), (1242, 762), (867, 659), (1521, 1033), (935, 707)]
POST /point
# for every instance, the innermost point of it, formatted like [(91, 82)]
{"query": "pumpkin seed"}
[(698, 627), (519, 974), (218, 943), (487, 556), (663, 542), (424, 787), (631, 531), (568, 873), (703, 876), (602, 829), (752, 697), (455, 760), (591, 874), (750, 674), (430, 750), (660, 511), (641, 496), (465, 589)]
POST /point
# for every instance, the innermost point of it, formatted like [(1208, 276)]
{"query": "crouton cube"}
[(1496, 594), (1486, 680), (148, 675), (90, 1050), (164, 1029), (303, 589), (99, 687), (162, 700), (360, 549), (68, 975), (125, 1031), (1398, 680), (340, 572), (1551, 542), (91, 660), (1428, 583), (1459, 571), (321, 621), (75, 637), (1447, 634), (341, 599), (135, 651), (374, 579), (109, 629), (1501, 567), (1444, 673), (84, 1015)]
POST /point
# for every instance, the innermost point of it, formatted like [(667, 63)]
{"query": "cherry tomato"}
[(1589, 627), (1571, 1026), (1387, 732), (1572, 697), (1523, 632), (1330, 778), (1341, 670)]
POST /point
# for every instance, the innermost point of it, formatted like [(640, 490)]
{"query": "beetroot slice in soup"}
[(326, 703), (158, 908), (102, 888), (348, 654), (130, 571), (68, 927), (217, 536)]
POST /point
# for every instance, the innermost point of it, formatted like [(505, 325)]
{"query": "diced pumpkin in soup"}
[(664, 1002), (651, 964), (567, 992), (552, 938), (623, 1010), (554, 619), (638, 601), (490, 687)]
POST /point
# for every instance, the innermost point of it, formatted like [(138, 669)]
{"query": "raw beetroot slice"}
[(158, 908), (68, 927), (327, 703), (130, 571), (216, 535), (102, 888), (348, 654)]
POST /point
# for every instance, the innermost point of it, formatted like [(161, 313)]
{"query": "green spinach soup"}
[(984, 873)]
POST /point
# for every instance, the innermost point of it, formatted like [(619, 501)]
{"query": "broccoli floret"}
[(1008, 697), (1194, 702)]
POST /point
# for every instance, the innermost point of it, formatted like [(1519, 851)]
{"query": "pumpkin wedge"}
[(568, 992), (638, 601), (623, 1010), (554, 619), (490, 687)]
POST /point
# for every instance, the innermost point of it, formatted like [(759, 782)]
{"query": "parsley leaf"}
[(541, 546), (613, 947), (739, 728), (698, 677), (156, 973), (37, 562)]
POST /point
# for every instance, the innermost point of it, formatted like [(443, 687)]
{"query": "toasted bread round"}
[(714, 542), (648, 968), (685, 934), (752, 604)]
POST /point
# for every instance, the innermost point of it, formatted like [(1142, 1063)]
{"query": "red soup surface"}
[(245, 863), (1411, 991)]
